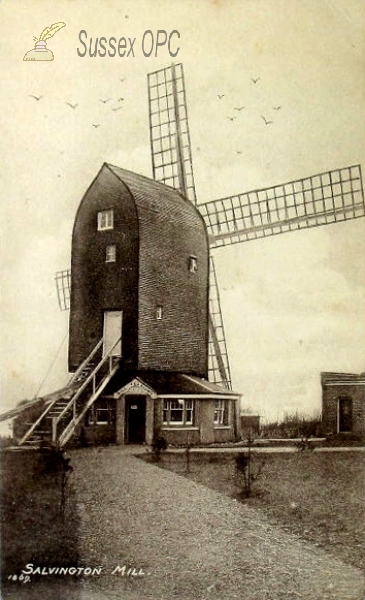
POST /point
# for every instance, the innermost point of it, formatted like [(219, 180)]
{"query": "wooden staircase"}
[(42, 433), (64, 412)]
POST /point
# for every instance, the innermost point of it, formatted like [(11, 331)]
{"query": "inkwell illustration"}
[(40, 50)]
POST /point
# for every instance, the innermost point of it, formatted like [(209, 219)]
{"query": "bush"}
[(159, 445), (250, 467), (294, 426)]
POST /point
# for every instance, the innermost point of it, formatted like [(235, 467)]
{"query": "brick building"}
[(343, 403)]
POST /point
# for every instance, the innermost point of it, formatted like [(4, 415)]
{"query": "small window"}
[(193, 264), (110, 254), (105, 219), (159, 313)]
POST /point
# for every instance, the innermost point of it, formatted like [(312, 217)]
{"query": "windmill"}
[(320, 199), (152, 371)]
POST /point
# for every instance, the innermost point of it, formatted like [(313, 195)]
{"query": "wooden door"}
[(112, 332), (136, 419), (344, 414)]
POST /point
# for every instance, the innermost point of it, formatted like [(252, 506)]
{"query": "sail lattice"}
[(63, 285), (322, 199), (169, 130), (218, 363)]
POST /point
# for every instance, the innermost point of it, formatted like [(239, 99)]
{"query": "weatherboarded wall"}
[(98, 286), (171, 233)]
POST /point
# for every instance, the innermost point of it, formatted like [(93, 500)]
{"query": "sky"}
[(293, 305)]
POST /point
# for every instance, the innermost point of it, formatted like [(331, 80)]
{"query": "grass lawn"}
[(35, 528), (318, 496)]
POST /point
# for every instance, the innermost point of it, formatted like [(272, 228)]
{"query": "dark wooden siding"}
[(97, 286), (170, 231)]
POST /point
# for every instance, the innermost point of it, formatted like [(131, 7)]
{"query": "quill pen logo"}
[(40, 50)]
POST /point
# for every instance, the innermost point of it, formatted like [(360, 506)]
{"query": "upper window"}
[(158, 313), (105, 219), (110, 254), (193, 264), (178, 412)]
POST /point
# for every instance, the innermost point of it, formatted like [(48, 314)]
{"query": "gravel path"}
[(191, 543)]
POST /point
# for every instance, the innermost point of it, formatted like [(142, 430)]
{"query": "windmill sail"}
[(169, 130), (63, 285), (218, 363), (318, 200)]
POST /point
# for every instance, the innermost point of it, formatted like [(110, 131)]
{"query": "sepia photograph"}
[(183, 288)]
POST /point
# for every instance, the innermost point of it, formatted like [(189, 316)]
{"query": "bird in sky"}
[(277, 107), (122, 79), (35, 97), (118, 108), (104, 101), (72, 105), (239, 151), (255, 80), (220, 96), (96, 126), (239, 108), (231, 118), (266, 121), (120, 99)]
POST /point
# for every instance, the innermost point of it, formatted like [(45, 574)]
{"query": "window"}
[(193, 264), (159, 313), (101, 413), (110, 254), (220, 412), (178, 412), (105, 219)]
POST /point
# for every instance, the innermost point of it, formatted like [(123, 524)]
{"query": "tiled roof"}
[(166, 383)]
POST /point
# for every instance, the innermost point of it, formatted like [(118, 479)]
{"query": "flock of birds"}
[(238, 109), (74, 106)]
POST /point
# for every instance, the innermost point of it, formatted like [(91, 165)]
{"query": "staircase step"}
[(43, 431), (31, 442)]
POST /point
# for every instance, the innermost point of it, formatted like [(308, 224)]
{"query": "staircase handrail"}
[(70, 383), (67, 432), (36, 423), (84, 384), (85, 362)]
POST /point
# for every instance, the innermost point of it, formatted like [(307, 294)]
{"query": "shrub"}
[(249, 467), (159, 445)]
